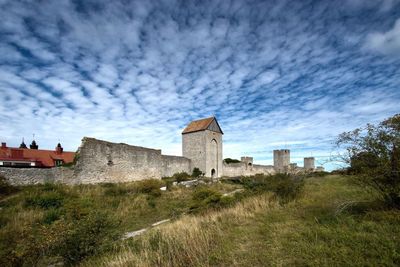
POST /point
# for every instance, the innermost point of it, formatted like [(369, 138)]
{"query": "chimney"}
[(59, 149), (3, 145), (34, 145)]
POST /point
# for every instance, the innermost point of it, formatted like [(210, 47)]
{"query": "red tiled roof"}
[(46, 157), (198, 125)]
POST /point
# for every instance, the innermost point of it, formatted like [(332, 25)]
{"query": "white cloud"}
[(136, 72), (387, 43)]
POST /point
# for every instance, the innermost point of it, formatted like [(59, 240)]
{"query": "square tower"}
[(202, 144), (281, 160), (309, 163)]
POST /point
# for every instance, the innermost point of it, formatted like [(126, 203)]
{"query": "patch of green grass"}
[(317, 230)]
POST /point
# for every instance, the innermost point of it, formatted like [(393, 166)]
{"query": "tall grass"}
[(187, 242), (262, 231), (331, 222)]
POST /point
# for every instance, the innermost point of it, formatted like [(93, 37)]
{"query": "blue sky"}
[(277, 74)]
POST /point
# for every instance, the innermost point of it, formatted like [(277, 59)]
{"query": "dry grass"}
[(188, 241), (319, 229), (260, 232)]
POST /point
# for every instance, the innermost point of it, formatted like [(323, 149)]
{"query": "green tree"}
[(373, 155), (229, 160)]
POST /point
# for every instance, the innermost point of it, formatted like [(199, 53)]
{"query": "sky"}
[(276, 74)]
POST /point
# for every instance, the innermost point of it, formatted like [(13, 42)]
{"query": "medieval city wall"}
[(101, 161), (243, 169), (105, 162), (27, 176), (175, 164)]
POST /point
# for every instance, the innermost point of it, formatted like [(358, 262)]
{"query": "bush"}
[(320, 174), (289, 189), (181, 176), (373, 154), (45, 200), (115, 191), (204, 198), (285, 186), (6, 188), (197, 173), (51, 215), (229, 160), (150, 186), (93, 234)]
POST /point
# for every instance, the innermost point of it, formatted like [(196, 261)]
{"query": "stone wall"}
[(244, 169), (104, 162), (174, 164), (101, 161), (26, 176)]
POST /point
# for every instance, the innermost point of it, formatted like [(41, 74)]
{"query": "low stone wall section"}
[(174, 164), (27, 176), (243, 169)]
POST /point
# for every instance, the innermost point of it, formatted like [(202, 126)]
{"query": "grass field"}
[(333, 223)]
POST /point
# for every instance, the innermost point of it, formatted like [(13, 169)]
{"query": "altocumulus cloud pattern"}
[(276, 74)]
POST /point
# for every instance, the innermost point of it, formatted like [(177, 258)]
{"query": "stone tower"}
[(309, 163), (247, 160), (202, 144), (281, 160)]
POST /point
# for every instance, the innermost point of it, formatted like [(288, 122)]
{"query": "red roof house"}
[(33, 156)]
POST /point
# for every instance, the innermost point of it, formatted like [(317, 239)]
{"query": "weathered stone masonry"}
[(104, 162), (27, 176), (101, 161)]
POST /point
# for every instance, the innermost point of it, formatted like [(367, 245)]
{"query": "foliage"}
[(150, 186), (45, 200), (51, 216), (334, 223), (285, 186), (181, 176), (196, 173), (229, 160), (6, 188), (318, 174), (204, 198), (93, 234), (373, 154), (313, 231), (115, 190)]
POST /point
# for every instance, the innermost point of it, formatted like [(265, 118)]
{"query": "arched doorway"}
[(214, 158)]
